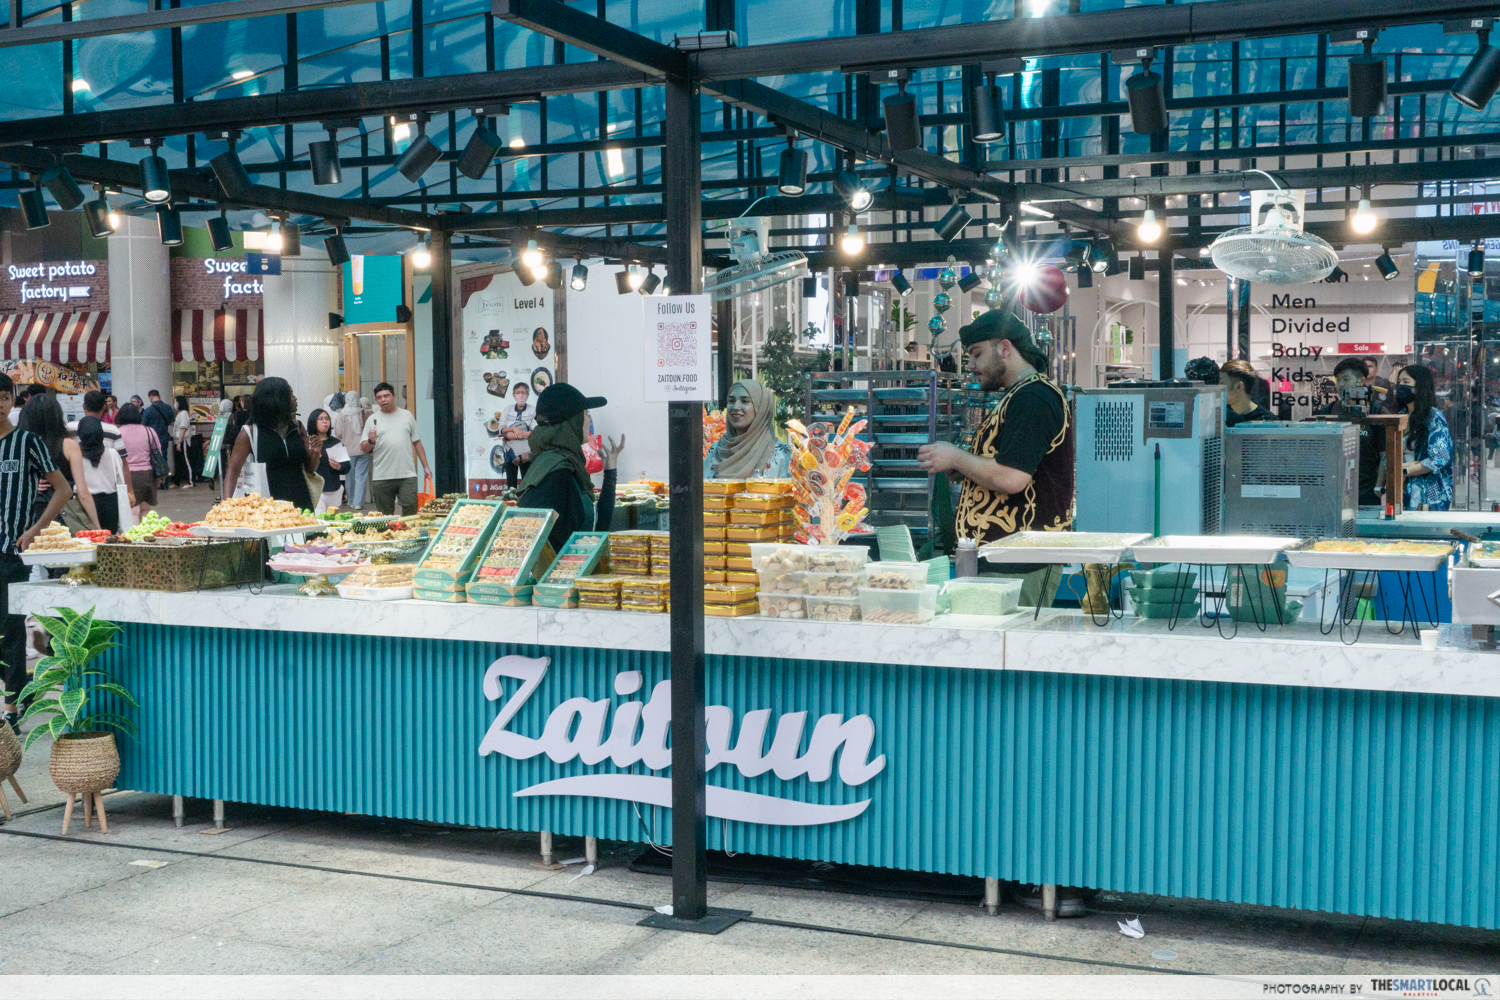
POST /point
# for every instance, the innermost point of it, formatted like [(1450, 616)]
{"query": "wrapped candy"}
[(828, 506), (713, 428)]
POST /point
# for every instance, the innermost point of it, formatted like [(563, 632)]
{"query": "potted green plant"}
[(65, 693)]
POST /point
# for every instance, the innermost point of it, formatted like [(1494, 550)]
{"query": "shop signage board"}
[(509, 357), (215, 442), (55, 285), (679, 354), (373, 288)]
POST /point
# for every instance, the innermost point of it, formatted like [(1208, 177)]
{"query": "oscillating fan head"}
[(1273, 255)]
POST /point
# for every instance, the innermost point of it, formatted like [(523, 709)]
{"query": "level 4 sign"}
[(678, 349)]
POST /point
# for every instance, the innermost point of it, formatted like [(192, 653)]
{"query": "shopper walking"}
[(140, 443), (111, 409), (1428, 463), (320, 425), (96, 404), (349, 427), (158, 417), (103, 473), (24, 461), (43, 417), (182, 433), (392, 439), (275, 437)]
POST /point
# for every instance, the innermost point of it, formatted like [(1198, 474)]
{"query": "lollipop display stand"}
[(830, 506)]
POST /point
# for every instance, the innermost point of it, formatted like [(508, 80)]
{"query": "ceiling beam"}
[(155, 20), (1072, 34), (593, 34), (360, 100)]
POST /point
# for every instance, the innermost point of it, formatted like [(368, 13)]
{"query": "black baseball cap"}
[(559, 401)]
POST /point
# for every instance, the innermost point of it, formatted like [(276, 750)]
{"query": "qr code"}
[(676, 346)]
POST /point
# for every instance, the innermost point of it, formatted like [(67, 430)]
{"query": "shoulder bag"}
[(158, 459), (253, 478)]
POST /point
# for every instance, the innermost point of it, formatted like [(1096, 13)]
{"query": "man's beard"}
[(992, 382)]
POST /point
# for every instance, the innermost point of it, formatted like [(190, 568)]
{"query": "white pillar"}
[(299, 347), (140, 303)]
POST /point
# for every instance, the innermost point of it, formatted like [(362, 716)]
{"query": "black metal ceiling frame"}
[(642, 62)]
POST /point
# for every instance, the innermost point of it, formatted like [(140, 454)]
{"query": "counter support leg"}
[(591, 850), (992, 895), (218, 814), (546, 847), (1049, 902), (178, 812)]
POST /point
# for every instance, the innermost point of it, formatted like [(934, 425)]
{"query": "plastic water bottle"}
[(966, 562)]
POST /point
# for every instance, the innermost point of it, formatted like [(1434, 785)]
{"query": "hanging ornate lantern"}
[(994, 297), (942, 302), (937, 325), (948, 277)]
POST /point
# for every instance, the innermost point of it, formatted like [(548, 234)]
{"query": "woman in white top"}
[(182, 432), (103, 473)]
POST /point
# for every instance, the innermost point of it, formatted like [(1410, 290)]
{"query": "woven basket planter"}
[(10, 752), (84, 762)]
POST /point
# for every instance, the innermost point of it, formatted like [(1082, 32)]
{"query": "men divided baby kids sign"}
[(678, 351), (581, 729)]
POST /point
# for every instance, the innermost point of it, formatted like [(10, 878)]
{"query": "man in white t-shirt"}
[(391, 436), (93, 406)]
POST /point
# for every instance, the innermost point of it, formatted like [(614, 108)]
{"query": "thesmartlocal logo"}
[(1429, 986), (637, 734)]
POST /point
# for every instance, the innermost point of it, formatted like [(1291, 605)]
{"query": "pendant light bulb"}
[(1149, 230), (532, 257), (1364, 218), (853, 243)]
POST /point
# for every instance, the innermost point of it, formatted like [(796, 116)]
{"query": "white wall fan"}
[(1273, 249), (756, 266)]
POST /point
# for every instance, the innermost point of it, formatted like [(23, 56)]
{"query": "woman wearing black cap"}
[(558, 476)]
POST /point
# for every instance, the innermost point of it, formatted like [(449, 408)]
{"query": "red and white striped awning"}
[(62, 338), (216, 334)]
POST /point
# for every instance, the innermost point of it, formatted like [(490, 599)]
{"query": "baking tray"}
[(1062, 547), (1304, 556), (1482, 562), (1214, 550), (60, 557)]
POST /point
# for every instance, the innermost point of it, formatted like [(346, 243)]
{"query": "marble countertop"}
[(1057, 641)]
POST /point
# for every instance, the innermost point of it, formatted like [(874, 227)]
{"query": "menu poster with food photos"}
[(509, 357)]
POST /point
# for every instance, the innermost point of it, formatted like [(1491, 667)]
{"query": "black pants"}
[(108, 506), (13, 642), (183, 474), (513, 473)]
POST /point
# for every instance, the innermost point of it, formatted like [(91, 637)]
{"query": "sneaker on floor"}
[(1070, 899)]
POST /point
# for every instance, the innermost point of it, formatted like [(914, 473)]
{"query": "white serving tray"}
[(1054, 547), (63, 557), (1394, 561), (1214, 550), (205, 531), (374, 593), (303, 569)]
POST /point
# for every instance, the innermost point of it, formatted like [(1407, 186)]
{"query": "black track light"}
[(1367, 83), (156, 182), (848, 186), (1138, 268), (902, 286), (651, 283), (622, 281), (169, 226), (421, 154), (1148, 101), (324, 157), (1476, 262), (810, 287), (902, 129), (580, 279), (337, 249), (335, 321), (97, 212), (1085, 278), (227, 168), (554, 276), (791, 178), (987, 114), (1075, 255), (219, 234), (851, 283), (1335, 276), (1386, 266), (479, 152), (1481, 78), (525, 275), (1103, 258), (970, 281), (952, 224), (34, 207), (291, 240), (64, 188)]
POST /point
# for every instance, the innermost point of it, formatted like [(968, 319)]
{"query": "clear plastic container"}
[(772, 556), (836, 558), (780, 582), (832, 609), (978, 595), (898, 607), (895, 576), (783, 605), (833, 584)]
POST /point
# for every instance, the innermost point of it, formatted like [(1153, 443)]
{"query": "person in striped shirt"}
[(24, 459)]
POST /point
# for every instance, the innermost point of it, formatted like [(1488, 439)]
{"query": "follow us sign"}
[(679, 350)]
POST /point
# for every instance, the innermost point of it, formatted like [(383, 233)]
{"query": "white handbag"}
[(122, 495), (253, 478)]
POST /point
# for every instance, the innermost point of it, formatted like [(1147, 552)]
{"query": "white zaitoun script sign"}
[(852, 739)]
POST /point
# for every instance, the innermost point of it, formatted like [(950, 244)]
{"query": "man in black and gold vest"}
[(1017, 474)]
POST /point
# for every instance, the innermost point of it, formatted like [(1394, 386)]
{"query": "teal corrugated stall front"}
[(1351, 801)]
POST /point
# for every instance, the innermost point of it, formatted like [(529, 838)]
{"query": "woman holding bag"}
[(103, 474), (141, 446), (276, 439)]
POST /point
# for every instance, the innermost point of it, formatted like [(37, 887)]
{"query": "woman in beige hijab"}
[(749, 447)]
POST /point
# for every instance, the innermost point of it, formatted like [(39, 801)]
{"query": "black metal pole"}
[(724, 316), (1242, 318), (1165, 342), (447, 407), (683, 193)]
